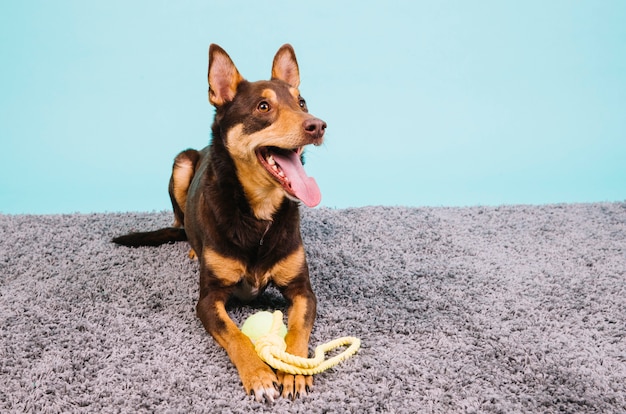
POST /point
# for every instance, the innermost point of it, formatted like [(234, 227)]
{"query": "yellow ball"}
[(259, 324)]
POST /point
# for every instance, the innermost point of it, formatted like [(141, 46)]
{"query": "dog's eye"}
[(263, 106), (302, 103)]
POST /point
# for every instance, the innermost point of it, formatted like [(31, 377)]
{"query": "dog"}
[(237, 204)]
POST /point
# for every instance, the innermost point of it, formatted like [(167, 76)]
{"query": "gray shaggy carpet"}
[(515, 309)]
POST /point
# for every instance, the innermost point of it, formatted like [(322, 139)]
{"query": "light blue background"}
[(428, 103)]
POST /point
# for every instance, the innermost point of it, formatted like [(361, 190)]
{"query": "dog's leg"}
[(257, 377), (182, 173), (300, 316), (292, 278)]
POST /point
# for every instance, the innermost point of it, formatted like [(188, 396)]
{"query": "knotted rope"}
[(271, 347)]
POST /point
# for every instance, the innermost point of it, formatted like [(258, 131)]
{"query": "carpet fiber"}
[(499, 309)]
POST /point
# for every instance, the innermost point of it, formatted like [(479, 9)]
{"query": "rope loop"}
[(271, 347)]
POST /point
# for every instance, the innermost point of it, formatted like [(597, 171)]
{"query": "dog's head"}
[(265, 126)]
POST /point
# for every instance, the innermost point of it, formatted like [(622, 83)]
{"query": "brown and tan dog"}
[(236, 202)]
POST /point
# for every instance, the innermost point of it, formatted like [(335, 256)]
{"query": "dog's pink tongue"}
[(304, 187)]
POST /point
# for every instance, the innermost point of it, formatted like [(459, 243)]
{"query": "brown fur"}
[(241, 223)]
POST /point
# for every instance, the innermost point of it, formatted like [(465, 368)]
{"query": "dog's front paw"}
[(295, 386), (261, 383)]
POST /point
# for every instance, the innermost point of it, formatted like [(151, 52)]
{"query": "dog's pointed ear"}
[(223, 76), (285, 66)]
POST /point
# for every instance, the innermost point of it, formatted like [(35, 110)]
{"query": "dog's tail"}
[(152, 238)]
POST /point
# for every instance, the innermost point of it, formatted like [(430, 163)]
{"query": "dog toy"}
[(267, 332), (260, 324)]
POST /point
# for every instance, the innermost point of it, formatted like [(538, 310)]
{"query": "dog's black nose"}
[(314, 127)]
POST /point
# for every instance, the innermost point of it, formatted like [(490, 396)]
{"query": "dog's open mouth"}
[(285, 166)]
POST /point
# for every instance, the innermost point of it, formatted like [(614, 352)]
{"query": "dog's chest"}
[(251, 286)]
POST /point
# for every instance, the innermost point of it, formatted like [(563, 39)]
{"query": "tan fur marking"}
[(182, 174), (229, 271), (269, 94), (231, 328), (262, 191), (294, 92), (255, 374), (285, 132), (297, 340), (285, 270)]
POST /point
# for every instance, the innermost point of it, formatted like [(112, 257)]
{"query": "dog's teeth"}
[(281, 173), (270, 160), (275, 167)]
